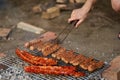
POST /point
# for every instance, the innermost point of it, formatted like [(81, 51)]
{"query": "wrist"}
[(93, 1), (88, 5)]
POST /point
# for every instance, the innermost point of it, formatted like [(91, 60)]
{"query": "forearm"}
[(88, 5)]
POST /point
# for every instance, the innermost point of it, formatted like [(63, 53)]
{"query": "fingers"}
[(80, 21), (73, 16), (77, 15), (70, 20)]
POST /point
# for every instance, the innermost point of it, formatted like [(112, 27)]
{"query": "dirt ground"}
[(97, 36)]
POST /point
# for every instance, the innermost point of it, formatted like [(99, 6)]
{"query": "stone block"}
[(80, 1), (72, 1), (51, 13), (113, 72)]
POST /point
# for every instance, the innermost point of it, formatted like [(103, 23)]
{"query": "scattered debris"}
[(2, 55), (30, 28), (51, 13), (4, 33), (37, 9)]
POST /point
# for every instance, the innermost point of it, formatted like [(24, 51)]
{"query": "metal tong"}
[(65, 32)]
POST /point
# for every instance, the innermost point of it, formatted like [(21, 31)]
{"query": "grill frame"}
[(13, 62)]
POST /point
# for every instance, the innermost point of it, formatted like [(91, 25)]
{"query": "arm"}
[(81, 13), (89, 3)]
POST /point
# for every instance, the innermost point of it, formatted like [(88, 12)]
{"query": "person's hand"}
[(116, 5), (79, 15)]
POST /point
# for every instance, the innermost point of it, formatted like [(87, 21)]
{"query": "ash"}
[(14, 74)]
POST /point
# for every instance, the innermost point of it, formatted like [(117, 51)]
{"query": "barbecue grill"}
[(13, 70)]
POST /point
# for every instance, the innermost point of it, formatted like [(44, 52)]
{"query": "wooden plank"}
[(30, 28), (61, 1)]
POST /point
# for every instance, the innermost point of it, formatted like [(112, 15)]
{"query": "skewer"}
[(65, 32)]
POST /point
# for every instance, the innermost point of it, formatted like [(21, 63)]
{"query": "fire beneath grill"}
[(12, 69)]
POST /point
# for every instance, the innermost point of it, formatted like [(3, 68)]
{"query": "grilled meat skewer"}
[(35, 60), (54, 70)]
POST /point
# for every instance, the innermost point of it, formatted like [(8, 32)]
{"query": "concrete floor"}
[(96, 36)]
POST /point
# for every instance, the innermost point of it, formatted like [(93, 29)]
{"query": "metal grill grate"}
[(15, 71)]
